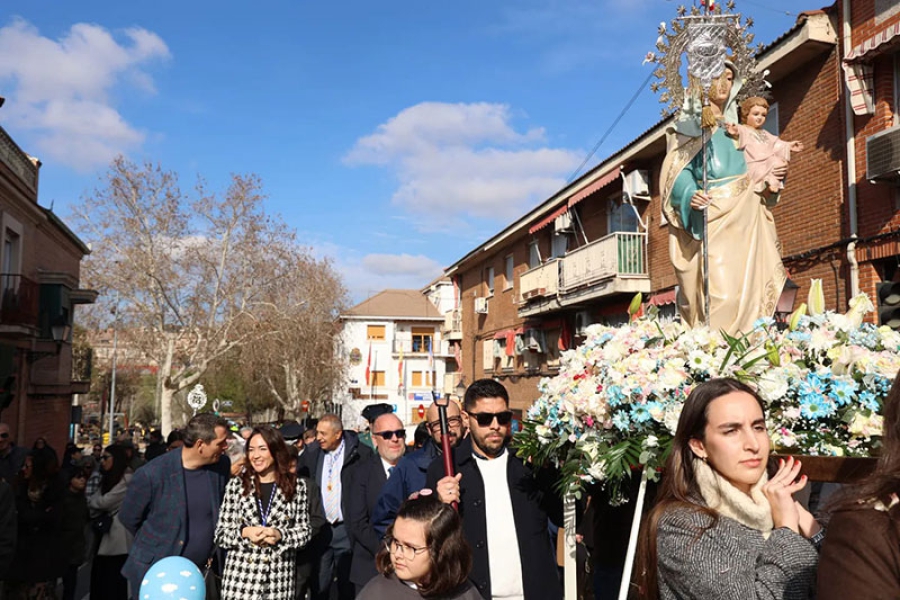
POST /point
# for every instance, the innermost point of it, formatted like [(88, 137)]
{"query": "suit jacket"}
[(408, 477), (367, 479), (532, 502), (155, 510), (312, 463)]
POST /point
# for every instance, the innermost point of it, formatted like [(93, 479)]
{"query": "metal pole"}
[(570, 563), (704, 141), (633, 538), (112, 391)]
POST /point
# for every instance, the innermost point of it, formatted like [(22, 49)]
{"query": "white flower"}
[(772, 385)]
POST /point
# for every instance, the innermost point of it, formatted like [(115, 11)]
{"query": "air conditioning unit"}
[(636, 185), (481, 306), (582, 321), (883, 156), (563, 223)]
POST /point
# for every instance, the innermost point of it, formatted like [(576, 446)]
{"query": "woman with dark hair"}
[(39, 558), (861, 557), (721, 527), (263, 521), (114, 540), (425, 555)]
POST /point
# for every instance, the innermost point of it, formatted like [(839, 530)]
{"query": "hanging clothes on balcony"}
[(510, 338), (535, 340)]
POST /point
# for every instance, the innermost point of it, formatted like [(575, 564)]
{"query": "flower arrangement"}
[(616, 401)]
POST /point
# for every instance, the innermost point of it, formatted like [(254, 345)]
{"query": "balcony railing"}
[(416, 347), (542, 280), (19, 298), (618, 254), (452, 322)]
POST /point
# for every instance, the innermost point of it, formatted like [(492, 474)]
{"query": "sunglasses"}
[(485, 418), (389, 435), (3, 436)]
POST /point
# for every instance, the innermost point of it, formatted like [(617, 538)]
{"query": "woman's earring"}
[(703, 458)]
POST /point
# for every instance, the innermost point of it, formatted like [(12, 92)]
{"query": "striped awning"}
[(549, 219), (858, 71), (602, 182)]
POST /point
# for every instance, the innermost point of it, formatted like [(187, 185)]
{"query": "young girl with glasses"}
[(425, 556)]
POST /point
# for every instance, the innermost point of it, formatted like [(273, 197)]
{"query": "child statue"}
[(762, 150)]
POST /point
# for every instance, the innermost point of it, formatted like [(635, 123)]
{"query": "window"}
[(377, 379), (559, 245), (552, 337), (534, 255), (421, 378), (375, 332), (771, 124), (509, 272), (422, 338), (487, 356), (621, 217), (490, 280)]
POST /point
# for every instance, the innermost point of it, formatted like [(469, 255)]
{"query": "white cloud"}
[(464, 159), (403, 265), (60, 90)]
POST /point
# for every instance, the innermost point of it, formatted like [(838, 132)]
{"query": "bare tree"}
[(295, 359), (189, 272)]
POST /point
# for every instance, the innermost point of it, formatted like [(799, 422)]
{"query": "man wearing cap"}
[(328, 462), (367, 479), (409, 476)]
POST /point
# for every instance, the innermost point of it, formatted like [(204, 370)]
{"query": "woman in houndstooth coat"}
[(264, 520)]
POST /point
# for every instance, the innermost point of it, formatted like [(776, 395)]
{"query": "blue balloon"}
[(173, 578)]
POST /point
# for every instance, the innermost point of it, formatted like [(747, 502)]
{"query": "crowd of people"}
[(285, 514)]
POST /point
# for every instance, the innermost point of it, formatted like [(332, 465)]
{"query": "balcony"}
[(542, 280), (82, 368), (416, 348), (452, 327), (19, 298), (615, 264)]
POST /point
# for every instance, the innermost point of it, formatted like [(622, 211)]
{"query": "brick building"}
[(580, 256), (40, 261)]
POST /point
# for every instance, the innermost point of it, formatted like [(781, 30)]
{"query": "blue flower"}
[(816, 409), (763, 323), (620, 420), (868, 400), (843, 391), (639, 413)]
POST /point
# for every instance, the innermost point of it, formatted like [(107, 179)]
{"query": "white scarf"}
[(753, 511)]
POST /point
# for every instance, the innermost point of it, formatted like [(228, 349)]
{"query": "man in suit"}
[(328, 462), (366, 482), (172, 504), (409, 476)]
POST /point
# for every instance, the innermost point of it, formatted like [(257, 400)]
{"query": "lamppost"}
[(112, 383)]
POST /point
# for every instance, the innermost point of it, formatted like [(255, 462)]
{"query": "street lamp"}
[(59, 330)]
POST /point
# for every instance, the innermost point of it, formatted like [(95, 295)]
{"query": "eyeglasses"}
[(389, 435), (485, 419), (451, 422), (408, 552), (106, 456)]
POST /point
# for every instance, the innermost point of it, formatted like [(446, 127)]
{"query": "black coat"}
[(532, 502), (312, 462), (39, 554), (8, 528), (366, 480)]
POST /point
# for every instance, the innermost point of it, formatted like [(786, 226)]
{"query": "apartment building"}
[(40, 261)]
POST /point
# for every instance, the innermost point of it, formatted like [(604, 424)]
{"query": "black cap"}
[(291, 431), (373, 411)]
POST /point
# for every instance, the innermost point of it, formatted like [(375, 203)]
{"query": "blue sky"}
[(394, 136)]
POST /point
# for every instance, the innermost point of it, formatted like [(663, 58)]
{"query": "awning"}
[(858, 73), (602, 182), (873, 43), (549, 219), (662, 298)]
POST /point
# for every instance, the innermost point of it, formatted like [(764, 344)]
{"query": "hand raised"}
[(780, 490)]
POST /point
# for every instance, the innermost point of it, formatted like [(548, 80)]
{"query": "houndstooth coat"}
[(251, 571)]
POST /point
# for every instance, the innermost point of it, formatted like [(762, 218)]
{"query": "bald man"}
[(409, 476), (367, 478)]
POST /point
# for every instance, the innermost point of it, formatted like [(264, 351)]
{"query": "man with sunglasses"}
[(367, 478), (12, 457), (409, 476), (504, 507)]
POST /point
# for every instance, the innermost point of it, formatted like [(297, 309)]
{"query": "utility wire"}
[(611, 127)]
